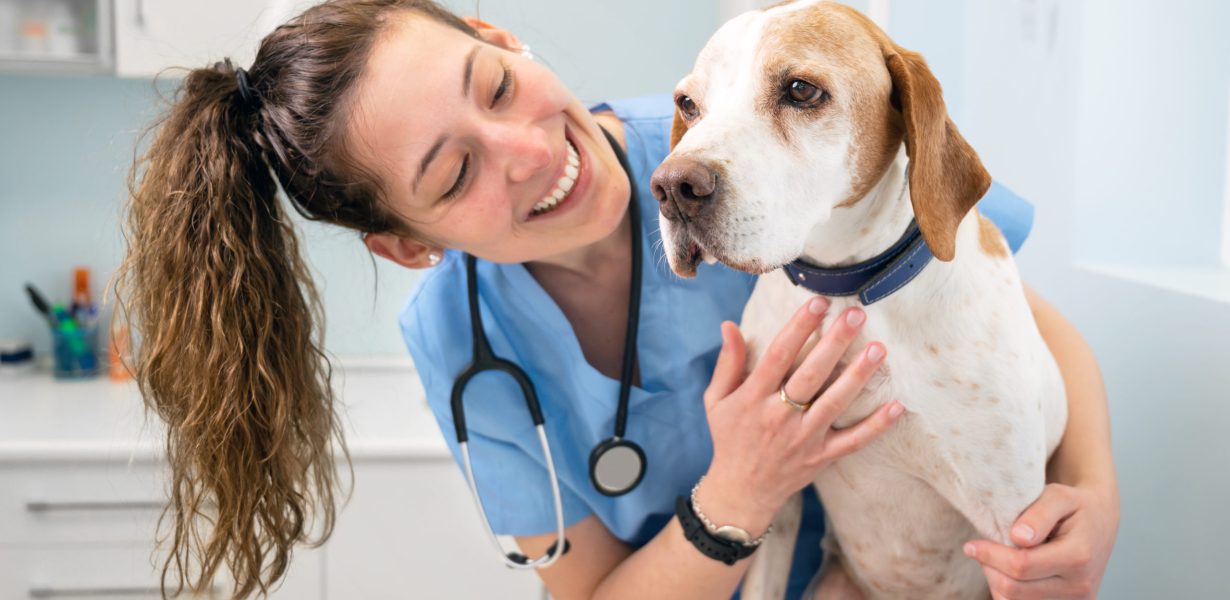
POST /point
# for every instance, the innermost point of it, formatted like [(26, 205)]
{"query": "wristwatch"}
[(727, 543), (709, 544)]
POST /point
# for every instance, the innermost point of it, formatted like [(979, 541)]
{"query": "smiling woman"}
[(481, 164)]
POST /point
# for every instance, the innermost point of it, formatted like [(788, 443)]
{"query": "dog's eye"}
[(687, 107), (801, 93)]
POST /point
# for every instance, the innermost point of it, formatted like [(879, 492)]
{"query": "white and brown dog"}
[(788, 144)]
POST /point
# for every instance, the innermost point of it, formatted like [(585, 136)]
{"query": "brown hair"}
[(231, 353)]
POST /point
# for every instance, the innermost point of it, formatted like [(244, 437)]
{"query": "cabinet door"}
[(410, 531), (151, 35)]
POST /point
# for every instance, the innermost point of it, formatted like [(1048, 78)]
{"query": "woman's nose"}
[(529, 150)]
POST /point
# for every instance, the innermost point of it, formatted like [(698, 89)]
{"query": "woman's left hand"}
[(1064, 538)]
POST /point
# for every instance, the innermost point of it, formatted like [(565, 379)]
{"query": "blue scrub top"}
[(679, 339)]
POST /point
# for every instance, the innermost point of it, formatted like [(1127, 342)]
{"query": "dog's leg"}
[(833, 582), (769, 573)]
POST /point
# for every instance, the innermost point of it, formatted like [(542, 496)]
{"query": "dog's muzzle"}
[(685, 188)]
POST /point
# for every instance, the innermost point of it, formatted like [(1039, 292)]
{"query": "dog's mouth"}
[(691, 249), (687, 255)]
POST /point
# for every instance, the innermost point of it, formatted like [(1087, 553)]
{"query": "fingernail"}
[(816, 306), (875, 353), (970, 550), (896, 409), (854, 317), (1024, 532)]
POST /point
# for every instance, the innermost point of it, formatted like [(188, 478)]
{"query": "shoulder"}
[(647, 125), (430, 316), (1013, 214)]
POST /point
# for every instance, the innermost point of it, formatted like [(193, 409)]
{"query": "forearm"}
[(670, 567), (1083, 457)]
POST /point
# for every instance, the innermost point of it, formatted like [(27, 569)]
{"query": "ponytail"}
[(230, 353)]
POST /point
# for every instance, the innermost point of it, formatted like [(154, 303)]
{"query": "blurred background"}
[(1111, 116)]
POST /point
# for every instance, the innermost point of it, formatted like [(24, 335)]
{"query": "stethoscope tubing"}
[(560, 546), (486, 360)]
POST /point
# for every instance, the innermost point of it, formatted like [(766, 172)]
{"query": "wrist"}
[(724, 503)]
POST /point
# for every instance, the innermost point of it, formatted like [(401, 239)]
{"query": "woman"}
[(434, 136)]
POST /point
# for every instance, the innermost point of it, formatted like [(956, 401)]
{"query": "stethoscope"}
[(616, 465)]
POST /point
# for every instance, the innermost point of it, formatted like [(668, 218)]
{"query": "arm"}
[(600, 565), (1083, 458), (764, 452), (1075, 520)]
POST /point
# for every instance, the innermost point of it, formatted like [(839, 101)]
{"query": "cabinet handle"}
[(53, 592), (97, 592), (43, 507), (141, 14)]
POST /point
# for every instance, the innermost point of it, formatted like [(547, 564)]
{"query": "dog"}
[(804, 132)]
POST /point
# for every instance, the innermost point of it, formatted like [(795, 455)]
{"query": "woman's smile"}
[(571, 182)]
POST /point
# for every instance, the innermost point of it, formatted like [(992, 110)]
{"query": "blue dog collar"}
[(873, 279)]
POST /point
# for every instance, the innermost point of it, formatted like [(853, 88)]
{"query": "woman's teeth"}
[(563, 186)]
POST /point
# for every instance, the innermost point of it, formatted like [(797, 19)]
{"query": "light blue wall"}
[(66, 143), (1152, 117), (64, 152), (1110, 117)]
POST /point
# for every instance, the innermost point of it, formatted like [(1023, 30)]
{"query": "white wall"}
[(1110, 117)]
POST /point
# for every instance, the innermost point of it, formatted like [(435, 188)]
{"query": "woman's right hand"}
[(763, 450)]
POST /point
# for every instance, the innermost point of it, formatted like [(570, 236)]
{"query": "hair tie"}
[(246, 93)]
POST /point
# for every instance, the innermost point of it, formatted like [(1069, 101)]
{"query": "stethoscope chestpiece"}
[(616, 466)]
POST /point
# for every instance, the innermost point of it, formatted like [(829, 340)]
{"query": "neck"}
[(595, 260), (868, 227)]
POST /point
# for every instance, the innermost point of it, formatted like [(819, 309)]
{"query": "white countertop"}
[(383, 411)]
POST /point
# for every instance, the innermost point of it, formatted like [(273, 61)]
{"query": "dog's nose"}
[(684, 187)]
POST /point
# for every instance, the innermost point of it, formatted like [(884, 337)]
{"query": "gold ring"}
[(781, 393)]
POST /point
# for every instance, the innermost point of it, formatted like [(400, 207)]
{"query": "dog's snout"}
[(684, 187)]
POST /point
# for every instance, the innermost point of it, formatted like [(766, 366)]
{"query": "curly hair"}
[(229, 323)]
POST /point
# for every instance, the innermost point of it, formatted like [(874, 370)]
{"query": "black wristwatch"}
[(727, 551)]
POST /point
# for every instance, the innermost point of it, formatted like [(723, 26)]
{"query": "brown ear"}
[(946, 177), (677, 129)]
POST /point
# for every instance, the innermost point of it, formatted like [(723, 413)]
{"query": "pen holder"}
[(75, 351)]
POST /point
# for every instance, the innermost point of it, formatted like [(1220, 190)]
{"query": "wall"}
[(1110, 117), (68, 140)]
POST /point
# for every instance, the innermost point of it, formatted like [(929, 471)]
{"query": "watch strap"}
[(727, 551)]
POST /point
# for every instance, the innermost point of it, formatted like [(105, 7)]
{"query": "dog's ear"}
[(677, 129), (946, 177)]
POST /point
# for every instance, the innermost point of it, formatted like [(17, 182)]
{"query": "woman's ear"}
[(494, 35), (407, 252)]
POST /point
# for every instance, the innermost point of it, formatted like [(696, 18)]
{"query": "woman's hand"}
[(1065, 539), (763, 449)]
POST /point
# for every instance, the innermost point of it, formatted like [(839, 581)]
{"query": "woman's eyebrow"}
[(469, 72), (465, 93)]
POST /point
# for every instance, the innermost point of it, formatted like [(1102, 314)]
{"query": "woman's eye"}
[(461, 179), (502, 90), (687, 107), (804, 94)]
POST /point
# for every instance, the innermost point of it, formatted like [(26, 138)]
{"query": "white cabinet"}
[(55, 35), (82, 483), (410, 531), (152, 35), (84, 530)]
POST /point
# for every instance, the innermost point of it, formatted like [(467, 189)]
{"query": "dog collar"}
[(873, 279)]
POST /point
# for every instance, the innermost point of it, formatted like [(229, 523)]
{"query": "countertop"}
[(383, 411)]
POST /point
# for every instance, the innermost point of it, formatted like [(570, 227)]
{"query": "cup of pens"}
[(74, 331), (74, 348)]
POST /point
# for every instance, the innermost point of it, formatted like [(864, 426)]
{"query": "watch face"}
[(734, 534)]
